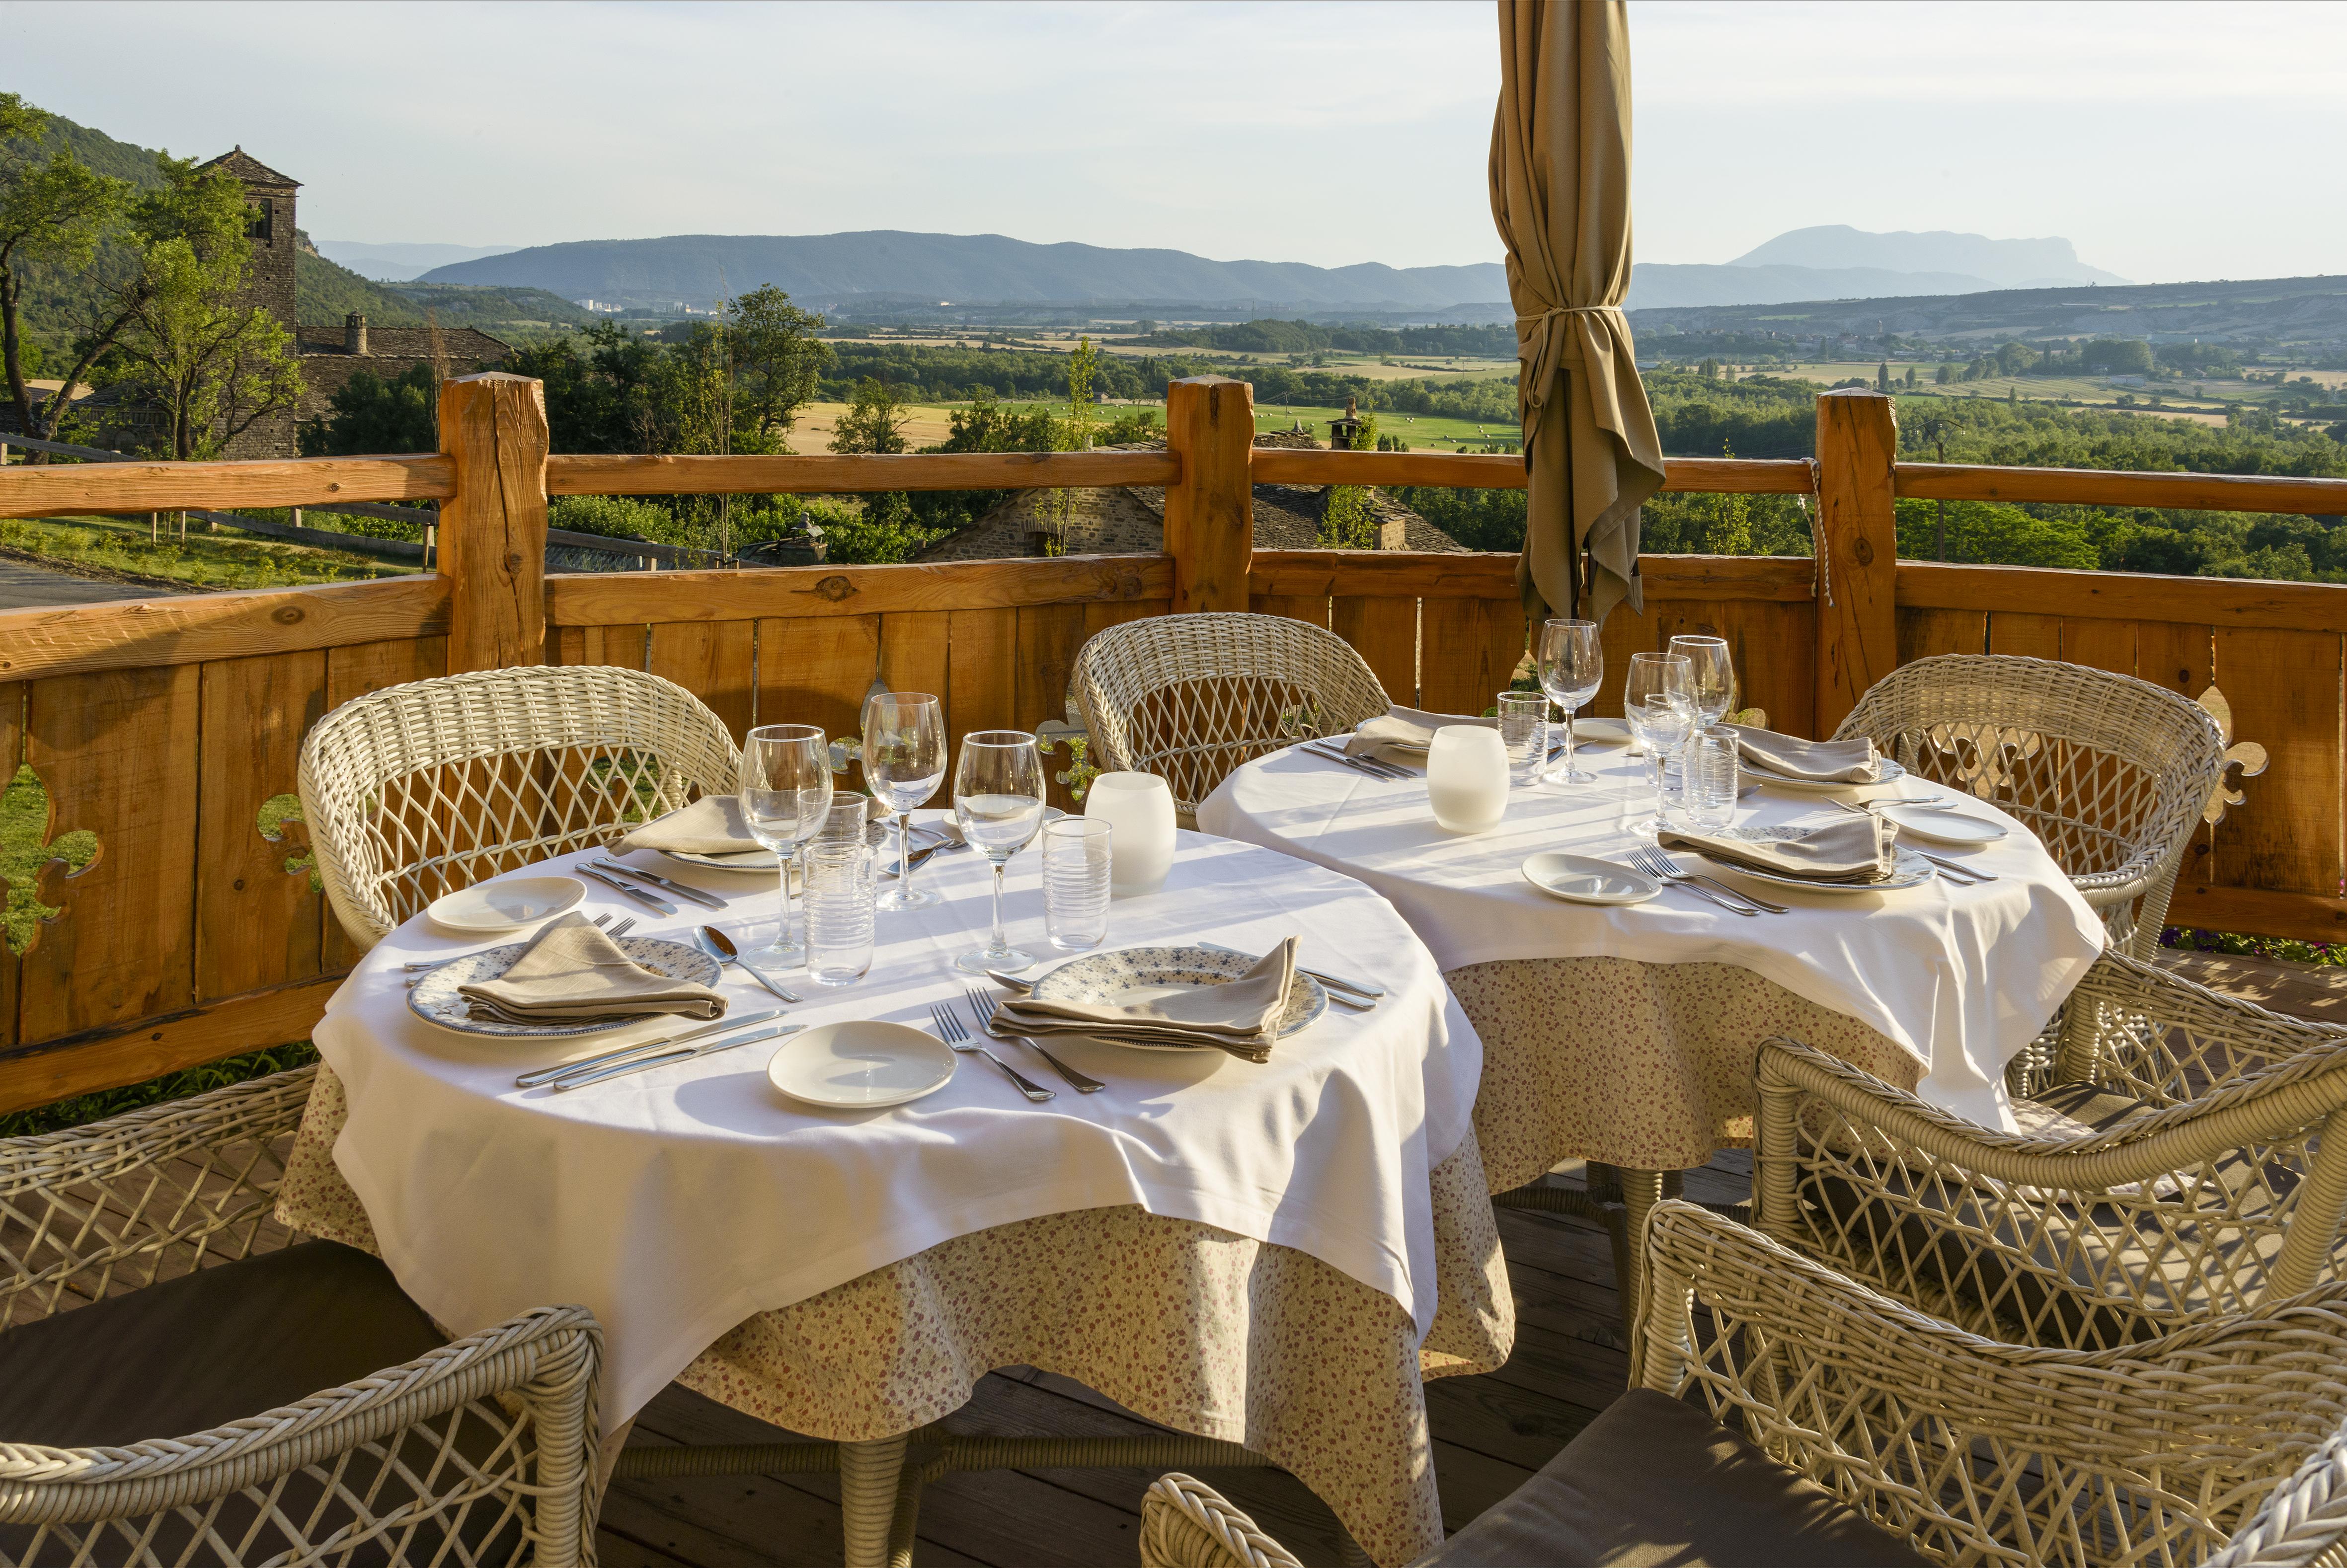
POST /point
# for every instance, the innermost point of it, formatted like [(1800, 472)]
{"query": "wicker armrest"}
[(1186, 1524), (151, 1193), (1970, 1448), (2166, 1038)]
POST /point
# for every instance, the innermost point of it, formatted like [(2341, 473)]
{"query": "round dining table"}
[(1629, 1034), (1271, 1255)]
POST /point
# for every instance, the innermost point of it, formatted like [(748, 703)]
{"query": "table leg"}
[(869, 1473), (1641, 1191)]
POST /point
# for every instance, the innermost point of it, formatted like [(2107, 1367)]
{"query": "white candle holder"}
[(1467, 778), (1139, 810)]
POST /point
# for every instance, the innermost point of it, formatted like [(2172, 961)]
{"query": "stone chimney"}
[(354, 333)]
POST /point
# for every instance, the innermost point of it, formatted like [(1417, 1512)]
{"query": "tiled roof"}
[(246, 166), (407, 343)]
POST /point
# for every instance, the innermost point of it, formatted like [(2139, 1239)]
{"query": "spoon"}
[(719, 946)]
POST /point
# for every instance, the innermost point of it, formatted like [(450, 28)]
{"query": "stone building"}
[(268, 281)]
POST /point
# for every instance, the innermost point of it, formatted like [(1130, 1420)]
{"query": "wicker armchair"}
[(178, 1385), (2202, 1170), (2112, 773), (1191, 698), (419, 789), (1853, 1428)]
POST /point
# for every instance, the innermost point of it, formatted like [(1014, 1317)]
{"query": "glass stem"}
[(999, 944), (782, 937), (904, 859)]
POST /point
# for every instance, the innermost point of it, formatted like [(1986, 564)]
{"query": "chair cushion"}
[(1653, 1480)]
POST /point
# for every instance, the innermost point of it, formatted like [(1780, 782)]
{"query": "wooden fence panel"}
[(713, 660), (1384, 632), (2099, 644), (1924, 633), (2181, 657), (256, 924), (1771, 644), (1469, 649), (11, 752), (913, 651), (980, 648), (814, 669), (1297, 606), (1049, 637), (2284, 687), (117, 751), (2033, 637), (352, 672)]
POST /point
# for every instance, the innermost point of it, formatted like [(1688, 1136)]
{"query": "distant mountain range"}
[(398, 263), (2001, 263)]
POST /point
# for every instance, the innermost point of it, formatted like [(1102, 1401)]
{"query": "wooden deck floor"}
[(1490, 1432)]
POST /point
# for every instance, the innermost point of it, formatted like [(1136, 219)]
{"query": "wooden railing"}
[(168, 727)]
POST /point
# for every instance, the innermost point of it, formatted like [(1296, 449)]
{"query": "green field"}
[(207, 560)]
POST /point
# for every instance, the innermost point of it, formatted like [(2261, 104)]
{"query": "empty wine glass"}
[(1713, 677), (998, 795), (786, 800), (904, 762), (1571, 667), (1658, 701)]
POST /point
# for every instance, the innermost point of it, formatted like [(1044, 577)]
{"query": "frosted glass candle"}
[(1467, 778), (1139, 810)]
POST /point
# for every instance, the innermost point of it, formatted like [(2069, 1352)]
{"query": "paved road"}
[(23, 587)]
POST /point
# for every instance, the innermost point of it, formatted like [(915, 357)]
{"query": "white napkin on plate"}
[(712, 825), (1240, 1016), (1403, 734), (1853, 849), (1820, 761), (572, 974)]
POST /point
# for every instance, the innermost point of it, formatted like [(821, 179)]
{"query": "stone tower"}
[(268, 284)]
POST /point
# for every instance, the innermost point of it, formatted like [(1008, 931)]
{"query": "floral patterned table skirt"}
[(1197, 1329), (1648, 1066)]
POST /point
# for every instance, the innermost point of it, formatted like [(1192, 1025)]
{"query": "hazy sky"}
[(2169, 140)]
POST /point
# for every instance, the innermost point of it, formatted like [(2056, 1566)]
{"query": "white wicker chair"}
[(1191, 698), (2224, 1443), (141, 1274), (2213, 1179), (419, 789), (2111, 772)]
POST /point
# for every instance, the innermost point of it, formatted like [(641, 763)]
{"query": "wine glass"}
[(786, 800), (998, 795), (1571, 667), (1714, 677), (904, 762), (1658, 700)]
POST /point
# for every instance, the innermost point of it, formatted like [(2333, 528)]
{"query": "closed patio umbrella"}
[(1561, 197)]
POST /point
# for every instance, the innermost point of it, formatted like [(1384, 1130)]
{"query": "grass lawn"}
[(207, 560)]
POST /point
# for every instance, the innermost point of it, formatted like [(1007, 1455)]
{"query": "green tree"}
[(1882, 377), (778, 362), (369, 414), (1083, 366), (1346, 521), (54, 211), (874, 421), (1942, 373)]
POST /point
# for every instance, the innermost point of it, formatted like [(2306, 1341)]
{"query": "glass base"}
[(980, 961), (1570, 773), (904, 898), (788, 954)]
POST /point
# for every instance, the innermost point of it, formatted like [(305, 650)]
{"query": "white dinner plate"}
[(1907, 870), (1581, 880), (861, 1065), (1892, 774), (507, 904), (1940, 825), (434, 997), (1126, 975)]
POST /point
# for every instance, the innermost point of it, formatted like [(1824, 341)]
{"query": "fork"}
[(1375, 767), (981, 1012), (1654, 862), (950, 1030)]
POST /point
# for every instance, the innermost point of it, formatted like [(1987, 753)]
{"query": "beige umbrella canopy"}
[(1561, 197)]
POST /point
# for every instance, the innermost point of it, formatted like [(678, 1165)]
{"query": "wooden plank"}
[(190, 628), (1925, 634), (603, 598), (1480, 575), (913, 650), (2108, 487), (711, 659), (578, 473), (111, 1055), (2176, 655), (12, 753), (493, 530), (2202, 905), (1210, 515), (2034, 637), (2287, 836), (1049, 637), (118, 752), (1468, 651), (2099, 645), (1857, 624), (1770, 645), (982, 682), (257, 925), (170, 487), (1474, 471), (816, 669), (2124, 595), (1384, 632), (352, 672), (1311, 607)]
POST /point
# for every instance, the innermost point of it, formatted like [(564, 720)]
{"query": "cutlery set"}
[(1957, 871), (1652, 860)]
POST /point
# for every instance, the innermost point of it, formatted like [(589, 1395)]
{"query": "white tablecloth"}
[(679, 1202), (1963, 978)]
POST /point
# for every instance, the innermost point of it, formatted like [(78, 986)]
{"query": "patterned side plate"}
[(434, 1000), (1113, 979)]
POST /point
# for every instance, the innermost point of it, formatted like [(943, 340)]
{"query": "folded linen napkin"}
[(1403, 734), (572, 974), (1850, 850), (1240, 1016), (712, 825), (1823, 761)]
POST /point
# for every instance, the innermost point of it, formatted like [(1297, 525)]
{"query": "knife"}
[(641, 897), (1323, 976), (532, 1079), (697, 895), (683, 1053)]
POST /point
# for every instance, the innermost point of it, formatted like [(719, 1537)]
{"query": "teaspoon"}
[(719, 946)]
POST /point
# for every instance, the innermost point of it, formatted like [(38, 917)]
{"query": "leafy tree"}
[(1084, 365), (369, 414), (875, 421), (1346, 521), (54, 211), (778, 362)]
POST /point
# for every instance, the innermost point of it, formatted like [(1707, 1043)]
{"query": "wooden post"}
[(493, 530), (1210, 513), (1857, 549)]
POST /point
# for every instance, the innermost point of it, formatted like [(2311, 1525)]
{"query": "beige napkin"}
[(572, 974), (1403, 734), (1853, 850), (1821, 762), (712, 825), (1240, 1017)]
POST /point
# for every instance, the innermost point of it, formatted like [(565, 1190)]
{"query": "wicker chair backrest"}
[(1190, 698), (419, 789)]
